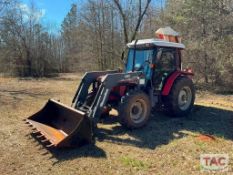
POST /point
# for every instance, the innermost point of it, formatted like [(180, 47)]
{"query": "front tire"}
[(181, 98), (134, 109)]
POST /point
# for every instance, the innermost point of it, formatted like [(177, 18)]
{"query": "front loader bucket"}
[(61, 126)]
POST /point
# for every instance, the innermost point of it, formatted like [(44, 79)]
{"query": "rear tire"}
[(134, 109), (181, 98)]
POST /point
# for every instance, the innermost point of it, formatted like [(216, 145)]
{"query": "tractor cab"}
[(156, 58)]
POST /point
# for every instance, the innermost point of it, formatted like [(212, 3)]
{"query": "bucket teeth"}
[(50, 145), (39, 136), (35, 132), (45, 140)]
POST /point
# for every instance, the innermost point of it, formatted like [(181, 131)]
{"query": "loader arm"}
[(86, 81), (110, 80)]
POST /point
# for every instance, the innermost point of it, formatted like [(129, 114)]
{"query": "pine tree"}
[(68, 30)]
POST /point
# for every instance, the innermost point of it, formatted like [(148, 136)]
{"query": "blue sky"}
[(53, 11)]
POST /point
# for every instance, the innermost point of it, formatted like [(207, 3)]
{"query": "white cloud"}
[(31, 12)]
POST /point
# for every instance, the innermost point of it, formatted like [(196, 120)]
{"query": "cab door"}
[(165, 64)]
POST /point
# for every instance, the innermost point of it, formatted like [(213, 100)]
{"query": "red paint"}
[(122, 90), (161, 36), (168, 85), (119, 90), (112, 98)]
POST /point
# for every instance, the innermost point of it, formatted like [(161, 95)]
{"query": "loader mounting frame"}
[(109, 80)]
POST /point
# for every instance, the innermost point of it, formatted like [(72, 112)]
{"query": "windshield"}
[(141, 56)]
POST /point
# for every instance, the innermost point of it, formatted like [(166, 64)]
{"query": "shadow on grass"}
[(63, 154), (162, 129), (72, 153)]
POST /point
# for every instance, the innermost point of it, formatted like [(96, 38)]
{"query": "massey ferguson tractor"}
[(152, 78)]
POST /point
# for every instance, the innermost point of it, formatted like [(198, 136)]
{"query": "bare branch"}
[(124, 20), (140, 18)]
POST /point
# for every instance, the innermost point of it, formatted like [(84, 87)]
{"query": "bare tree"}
[(125, 20), (27, 49)]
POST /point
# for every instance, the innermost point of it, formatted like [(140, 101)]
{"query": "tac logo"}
[(214, 162)]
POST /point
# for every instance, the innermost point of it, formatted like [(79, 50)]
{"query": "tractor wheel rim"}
[(138, 111), (184, 98)]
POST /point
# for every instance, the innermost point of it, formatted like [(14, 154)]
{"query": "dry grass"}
[(165, 146)]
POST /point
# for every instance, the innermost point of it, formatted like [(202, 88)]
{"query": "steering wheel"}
[(143, 65)]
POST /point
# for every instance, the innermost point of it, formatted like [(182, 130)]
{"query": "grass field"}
[(165, 146)]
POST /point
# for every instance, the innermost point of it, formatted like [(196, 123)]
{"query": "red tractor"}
[(152, 78)]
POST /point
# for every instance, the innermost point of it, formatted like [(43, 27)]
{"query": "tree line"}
[(94, 33)]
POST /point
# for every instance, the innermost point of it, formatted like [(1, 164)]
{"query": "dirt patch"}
[(165, 146), (206, 138)]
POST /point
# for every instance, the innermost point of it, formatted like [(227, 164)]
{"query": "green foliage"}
[(70, 23), (68, 34), (206, 28), (134, 163)]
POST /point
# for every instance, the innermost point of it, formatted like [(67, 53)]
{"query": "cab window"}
[(166, 62)]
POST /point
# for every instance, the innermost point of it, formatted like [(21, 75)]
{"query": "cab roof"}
[(155, 42)]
